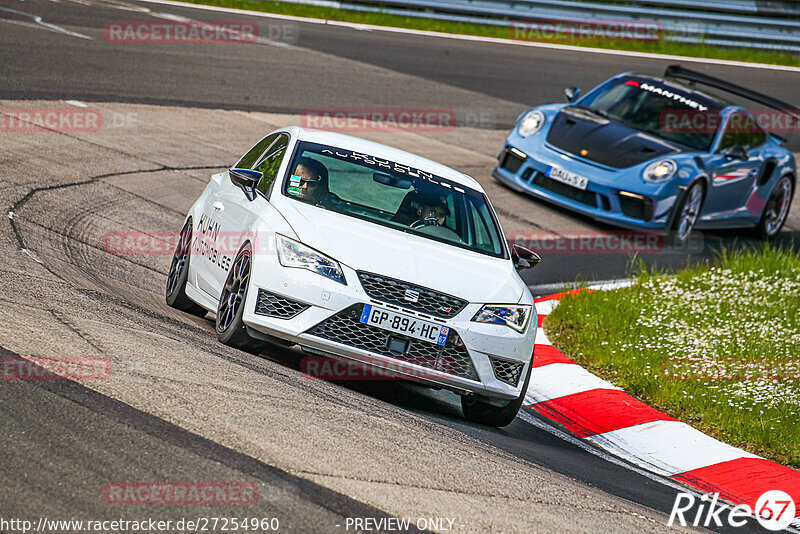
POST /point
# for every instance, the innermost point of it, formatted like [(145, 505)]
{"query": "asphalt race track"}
[(180, 406), (300, 66)]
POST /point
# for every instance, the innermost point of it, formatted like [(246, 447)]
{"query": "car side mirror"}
[(524, 258), (246, 180), (572, 93), (736, 152)]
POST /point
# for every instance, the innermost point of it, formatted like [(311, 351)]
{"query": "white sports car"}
[(355, 250)]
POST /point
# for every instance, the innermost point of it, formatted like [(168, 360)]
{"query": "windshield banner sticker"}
[(666, 93), (388, 165)]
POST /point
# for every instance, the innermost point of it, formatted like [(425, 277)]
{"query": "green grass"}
[(744, 311), (503, 31)]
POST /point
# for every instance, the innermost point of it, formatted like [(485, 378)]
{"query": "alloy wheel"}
[(778, 206), (690, 211), (234, 291), (180, 258)]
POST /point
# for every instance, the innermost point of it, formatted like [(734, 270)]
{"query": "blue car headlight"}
[(531, 123), (660, 171), (515, 316), (292, 253)]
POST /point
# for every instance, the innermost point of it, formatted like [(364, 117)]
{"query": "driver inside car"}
[(431, 211), (309, 182)]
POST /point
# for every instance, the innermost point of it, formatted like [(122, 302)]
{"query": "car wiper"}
[(598, 112)]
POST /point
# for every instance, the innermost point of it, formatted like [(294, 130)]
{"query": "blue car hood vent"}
[(580, 132)]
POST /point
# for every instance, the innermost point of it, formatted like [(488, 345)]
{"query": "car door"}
[(735, 165), (212, 233), (237, 214)]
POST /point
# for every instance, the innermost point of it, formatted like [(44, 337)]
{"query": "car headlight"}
[(660, 171), (531, 123), (516, 315), (295, 254)]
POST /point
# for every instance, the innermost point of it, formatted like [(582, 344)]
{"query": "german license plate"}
[(403, 324), (566, 177)]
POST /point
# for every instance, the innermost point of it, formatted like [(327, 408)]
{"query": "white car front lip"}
[(392, 366), (482, 341), (486, 384)]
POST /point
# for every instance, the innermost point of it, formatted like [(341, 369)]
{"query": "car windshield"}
[(655, 108), (393, 195)]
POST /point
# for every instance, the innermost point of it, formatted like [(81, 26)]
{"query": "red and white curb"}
[(602, 414)]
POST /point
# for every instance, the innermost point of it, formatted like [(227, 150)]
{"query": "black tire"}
[(481, 412), (175, 291), (687, 213), (776, 211), (230, 329)]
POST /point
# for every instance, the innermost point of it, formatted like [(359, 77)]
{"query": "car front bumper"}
[(605, 203), (322, 317)]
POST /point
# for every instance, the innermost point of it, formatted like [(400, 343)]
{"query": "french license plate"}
[(403, 324), (566, 177)]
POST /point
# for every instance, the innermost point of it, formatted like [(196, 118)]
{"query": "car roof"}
[(382, 151)]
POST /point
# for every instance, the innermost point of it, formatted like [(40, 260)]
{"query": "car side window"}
[(254, 154), (742, 129), (485, 237), (270, 163)]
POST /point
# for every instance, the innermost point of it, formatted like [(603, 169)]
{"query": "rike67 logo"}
[(774, 510)]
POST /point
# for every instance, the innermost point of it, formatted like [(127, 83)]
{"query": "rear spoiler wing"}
[(676, 71)]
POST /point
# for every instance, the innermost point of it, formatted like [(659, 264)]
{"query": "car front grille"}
[(584, 197), (396, 292), (345, 327), (273, 305), (508, 372)]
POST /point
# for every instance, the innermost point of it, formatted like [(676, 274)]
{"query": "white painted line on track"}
[(39, 23), (667, 447), (611, 284), (561, 379), (480, 39)]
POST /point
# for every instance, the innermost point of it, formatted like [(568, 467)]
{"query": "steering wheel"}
[(422, 223)]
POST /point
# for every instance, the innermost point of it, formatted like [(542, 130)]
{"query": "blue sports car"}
[(652, 153)]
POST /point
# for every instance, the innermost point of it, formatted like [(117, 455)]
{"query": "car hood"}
[(604, 141), (365, 246)]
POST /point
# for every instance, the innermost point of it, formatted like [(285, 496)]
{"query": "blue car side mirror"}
[(572, 93)]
